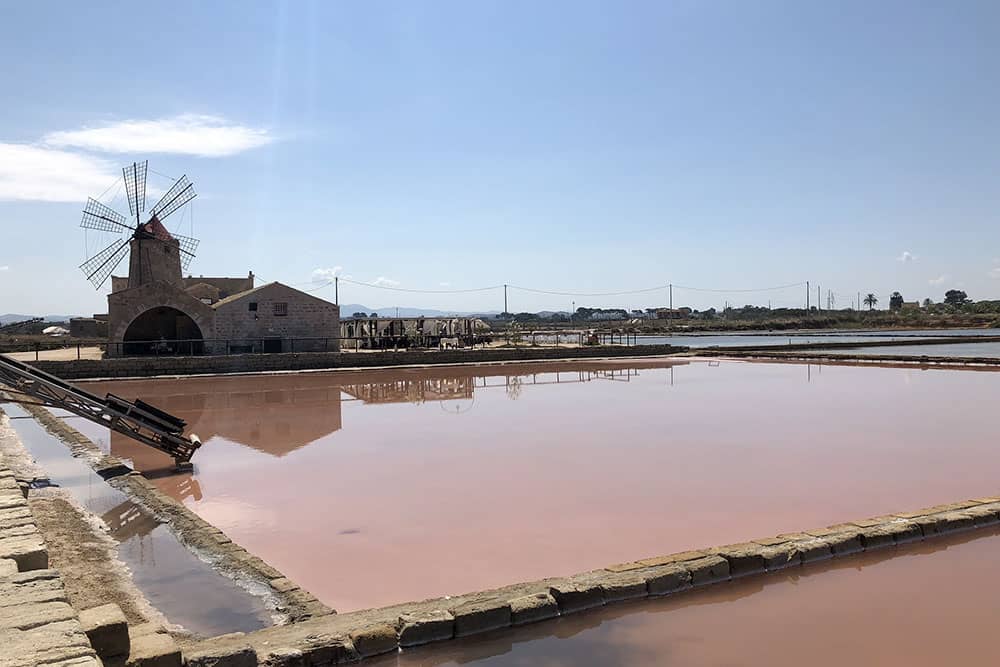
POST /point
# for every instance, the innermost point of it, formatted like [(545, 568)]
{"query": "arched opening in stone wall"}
[(163, 331)]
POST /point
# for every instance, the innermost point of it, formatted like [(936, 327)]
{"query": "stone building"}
[(155, 310)]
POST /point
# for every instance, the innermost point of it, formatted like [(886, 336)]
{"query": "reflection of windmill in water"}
[(147, 260)]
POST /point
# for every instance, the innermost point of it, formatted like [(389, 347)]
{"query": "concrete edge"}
[(286, 599)]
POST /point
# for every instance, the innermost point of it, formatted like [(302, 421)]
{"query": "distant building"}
[(673, 313)]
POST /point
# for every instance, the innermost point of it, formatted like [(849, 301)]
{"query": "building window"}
[(280, 309), (253, 306)]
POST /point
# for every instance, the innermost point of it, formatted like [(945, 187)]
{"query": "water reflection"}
[(279, 414)]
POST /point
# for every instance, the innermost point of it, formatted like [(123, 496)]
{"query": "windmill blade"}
[(179, 194), (135, 186), (98, 216), (188, 246), (99, 267)]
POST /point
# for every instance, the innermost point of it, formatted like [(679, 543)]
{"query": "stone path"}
[(38, 627)]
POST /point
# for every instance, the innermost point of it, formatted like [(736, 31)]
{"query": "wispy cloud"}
[(906, 256), (37, 173), (186, 134), (994, 272), (4, 268), (382, 281), (326, 275), (940, 280), (445, 284)]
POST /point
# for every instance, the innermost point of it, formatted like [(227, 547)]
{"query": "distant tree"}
[(928, 303), (895, 301), (374, 315), (870, 301), (956, 297), (359, 316)]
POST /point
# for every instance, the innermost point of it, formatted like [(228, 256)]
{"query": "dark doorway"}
[(161, 331), (272, 345)]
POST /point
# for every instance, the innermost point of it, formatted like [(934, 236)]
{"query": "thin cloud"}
[(940, 280), (186, 134), (326, 275), (994, 273), (444, 284), (906, 256), (37, 173), (4, 268), (382, 281)]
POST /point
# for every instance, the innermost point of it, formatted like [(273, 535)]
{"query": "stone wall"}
[(278, 311), (262, 363), (125, 306)]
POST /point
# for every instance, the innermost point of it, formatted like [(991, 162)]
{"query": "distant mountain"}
[(10, 318)]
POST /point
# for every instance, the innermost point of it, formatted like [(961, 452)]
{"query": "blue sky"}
[(569, 146)]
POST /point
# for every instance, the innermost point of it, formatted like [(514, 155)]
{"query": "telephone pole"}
[(807, 296), (336, 290), (670, 321), (505, 298)]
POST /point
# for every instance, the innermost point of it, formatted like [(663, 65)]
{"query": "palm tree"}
[(870, 301)]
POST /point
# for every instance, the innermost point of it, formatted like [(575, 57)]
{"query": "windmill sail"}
[(188, 246), (135, 186), (179, 194), (99, 267), (98, 216)]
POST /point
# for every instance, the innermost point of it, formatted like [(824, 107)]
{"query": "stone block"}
[(813, 550), (878, 537), (28, 552), (845, 543), (424, 627), (35, 614), (154, 650), (8, 566), (743, 558), (480, 615), (707, 570), (982, 515), (673, 558), (222, 651), (950, 522), (780, 556), (574, 596), (375, 639), (667, 579), (531, 608), (107, 629)]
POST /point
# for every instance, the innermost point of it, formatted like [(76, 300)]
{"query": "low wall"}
[(949, 340), (260, 363)]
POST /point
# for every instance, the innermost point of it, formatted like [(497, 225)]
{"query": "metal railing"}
[(220, 346)]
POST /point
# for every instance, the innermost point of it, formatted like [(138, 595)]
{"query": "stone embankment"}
[(264, 363), (37, 624)]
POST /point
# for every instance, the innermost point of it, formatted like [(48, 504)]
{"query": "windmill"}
[(103, 218)]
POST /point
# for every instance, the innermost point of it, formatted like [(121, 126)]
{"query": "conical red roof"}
[(156, 229)]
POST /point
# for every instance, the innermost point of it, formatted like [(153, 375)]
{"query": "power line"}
[(420, 291), (756, 289), (541, 291)]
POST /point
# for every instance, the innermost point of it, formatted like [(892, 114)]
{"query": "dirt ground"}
[(65, 354), (82, 555)]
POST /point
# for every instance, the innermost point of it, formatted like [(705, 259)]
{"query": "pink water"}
[(375, 487), (924, 605)]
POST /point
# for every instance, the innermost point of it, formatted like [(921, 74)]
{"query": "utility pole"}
[(336, 290), (807, 296), (505, 298), (670, 320), (818, 306)]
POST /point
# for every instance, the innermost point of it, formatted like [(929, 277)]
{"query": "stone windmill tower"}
[(155, 255)]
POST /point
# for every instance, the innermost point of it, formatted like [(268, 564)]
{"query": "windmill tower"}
[(155, 255)]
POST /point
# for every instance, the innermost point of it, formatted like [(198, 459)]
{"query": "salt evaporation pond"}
[(991, 350), (800, 337), (922, 605), (380, 486)]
